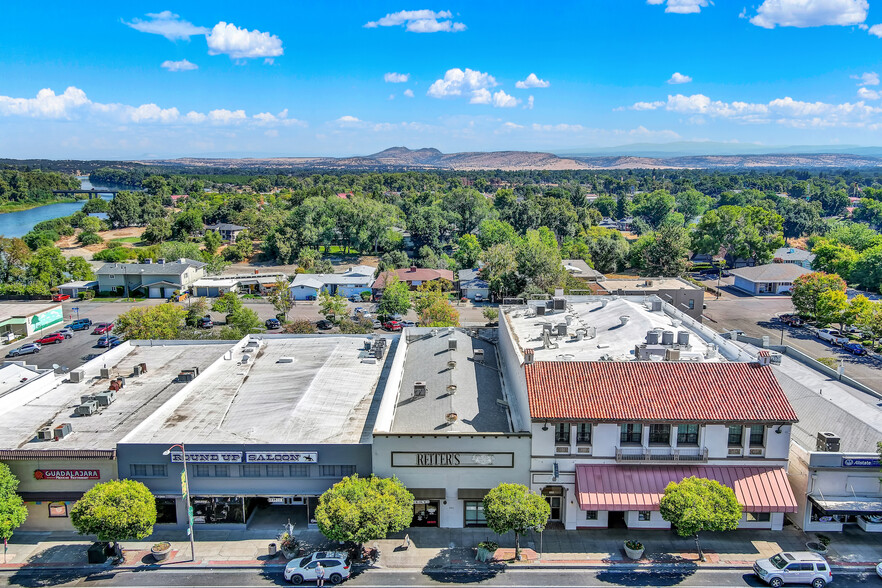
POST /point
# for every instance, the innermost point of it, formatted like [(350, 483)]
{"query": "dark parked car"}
[(109, 341), (80, 324), (205, 322), (273, 323), (324, 324), (854, 348), (102, 328), (792, 319), (49, 339)]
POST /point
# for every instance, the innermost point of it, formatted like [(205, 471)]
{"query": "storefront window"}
[(222, 471), (562, 433), (218, 509), (57, 510), (300, 471), (148, 470), (736, 435), (757, 435), (687, 434), (166, 510), (644, 515), (590, 515), (632, 433), (275, 470), (425, 513), (759, 517), (474, 513)]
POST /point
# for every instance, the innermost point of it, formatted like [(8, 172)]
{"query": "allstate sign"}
[(861, 462)]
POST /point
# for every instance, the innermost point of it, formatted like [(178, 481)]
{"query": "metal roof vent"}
[(451, 364), (652, 337), (668, 338), (451, 417), (451, 388), (683, 338), (285, 360), (624, 319), (419, 389), (451, 344), (479, 355)]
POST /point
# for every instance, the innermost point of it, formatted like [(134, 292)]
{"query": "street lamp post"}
[(187, 484)]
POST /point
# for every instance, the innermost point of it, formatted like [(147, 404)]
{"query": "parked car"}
[(336, 563), (205, 322), (392, 325), (377, 324), (273, 323), (797, 567), (405, 324), (109, 341), (64, 332), (479, 298), (792, 319), (832, 336), (50, 339), (25, 350), (852, 330), (879, 569), (324, 324), (102, 328), (80, 324), (854, 348), (60, 297)]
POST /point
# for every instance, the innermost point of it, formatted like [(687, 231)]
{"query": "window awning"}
[(848, 505), (472, 493), (429, 493), (51, 496), (629, 487)]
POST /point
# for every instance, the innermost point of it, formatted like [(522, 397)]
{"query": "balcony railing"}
[(661, 454)]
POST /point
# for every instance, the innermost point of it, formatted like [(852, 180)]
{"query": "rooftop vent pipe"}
[(624, 319)]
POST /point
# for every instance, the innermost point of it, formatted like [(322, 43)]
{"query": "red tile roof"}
[(651, 391), (419, 274), (626, 487)]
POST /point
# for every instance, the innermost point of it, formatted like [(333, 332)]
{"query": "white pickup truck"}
[(832, 336)]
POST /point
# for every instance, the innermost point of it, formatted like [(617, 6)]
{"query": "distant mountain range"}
[(666, 156)]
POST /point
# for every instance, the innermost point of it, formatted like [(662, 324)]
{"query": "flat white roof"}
[(639, 284), (14, 375), (24, 309), (294, 389)]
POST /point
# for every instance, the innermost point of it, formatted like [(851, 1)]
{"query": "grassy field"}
[(19, 206), (127, 240)]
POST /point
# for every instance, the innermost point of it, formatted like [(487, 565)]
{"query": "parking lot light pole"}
[(187, 484)]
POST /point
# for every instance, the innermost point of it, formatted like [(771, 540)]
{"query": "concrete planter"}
[(817, 547), (634, 554), (161, 551)]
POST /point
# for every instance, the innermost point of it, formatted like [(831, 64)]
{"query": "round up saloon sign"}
[(67, 474)]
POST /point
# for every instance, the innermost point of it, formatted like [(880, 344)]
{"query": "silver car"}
[(25, 350), (794, 567)]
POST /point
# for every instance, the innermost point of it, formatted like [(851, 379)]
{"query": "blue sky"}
[(162, 79)]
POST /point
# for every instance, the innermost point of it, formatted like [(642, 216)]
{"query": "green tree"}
[(299, 327), (13, 512), (47, 266), (692, 203), (436, 311), (512, 507), (653, 208), (163, 321), (228, 303), (493, 232), (124, 210), (608, 249), (834, 258), (867, 270), (539, 259), (281, 299), (800, 217), (698, 504), (667, 251), (748, 232), (364, 509), (468, 251), (90, 224), (243, 321), (14, 254), (115, 511), (396, 297), (333, 307), (211, 240), (491, 314), (807, 290), (308, 257), (832, 307), (79, 269), (500, 270), (158, 230)]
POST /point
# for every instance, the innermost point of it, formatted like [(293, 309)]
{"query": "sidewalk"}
[(449, 549)]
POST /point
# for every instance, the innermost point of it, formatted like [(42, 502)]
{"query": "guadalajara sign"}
[(67, 474)]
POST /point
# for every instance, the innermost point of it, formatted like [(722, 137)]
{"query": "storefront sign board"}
[(67, 474), (281, 457), (441, 459), (854, 462), (207, 457)]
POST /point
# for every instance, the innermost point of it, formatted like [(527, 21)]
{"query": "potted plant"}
[(486, 550), (288, 545), (634, 549), (819, 546), (161, 550)]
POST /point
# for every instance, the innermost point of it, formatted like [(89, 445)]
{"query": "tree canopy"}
[(115, 511), (513, 507), (363, 509), (699, 504), (13, 512)]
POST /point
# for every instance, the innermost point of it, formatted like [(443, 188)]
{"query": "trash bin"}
[(96, 553), (273, 549)]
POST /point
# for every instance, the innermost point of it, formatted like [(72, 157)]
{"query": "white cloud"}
[(457, 82), (240, 43), (396, 78), (512, 126), (529, 104), (46, 104), (348, 120), (391, 97), (503, 100), (224, 116), (420, 21), (153, 113), (868, 94), (182, 65), (869, 78), (679, 78), (647, 105), (280, 119), (408, 93), (810, 13), (167, 24), (532, 81), (876, 30), (681, 6), (563, 127)]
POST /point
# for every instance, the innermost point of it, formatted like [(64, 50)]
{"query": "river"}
[(17, 224)]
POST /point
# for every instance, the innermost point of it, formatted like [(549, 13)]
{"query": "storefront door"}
[(425, 513), (555, 503)]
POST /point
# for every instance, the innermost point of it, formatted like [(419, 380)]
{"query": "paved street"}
[(376, 578)]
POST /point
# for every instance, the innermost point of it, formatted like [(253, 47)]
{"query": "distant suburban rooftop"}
[(793, 254), (414, 274), (638, 285), (599, 320), (292, 389), (771, 272), (79, 284), (24, 309), (319, 280), (168, 267), (656, 391), (471, 278), (139, 397), (580, 269), (224, 227), (477, 386)]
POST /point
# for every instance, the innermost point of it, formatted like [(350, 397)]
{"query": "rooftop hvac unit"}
[(62, 431), (479, 355), (655, 305), (196, 370), (105, 372), (540, 311), (136, 371), (187, 375), (668, 338), (652, 337), (143, 367), (451, 344), (562, 329), (87, 408), (672, 355), (45, 434), (828, 442), (105, 398), (419, 389), (77, 376), (560, 304), (683, 338), (380, 351), (86, 398)]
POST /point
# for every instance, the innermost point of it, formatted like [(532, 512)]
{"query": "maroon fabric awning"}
[(630, 487)]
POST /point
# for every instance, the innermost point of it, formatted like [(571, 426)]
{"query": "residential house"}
[(156, 280), (414, 276), (247, 283), (73, 289), (800, 257), (227, 231), (350, 283), (771, 278), (471, 284)]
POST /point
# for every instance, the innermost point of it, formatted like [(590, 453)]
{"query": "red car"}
[(392, 326), (102, 328), (53, 338), (60, 297)]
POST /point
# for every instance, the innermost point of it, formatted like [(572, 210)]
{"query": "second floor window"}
[(660, 434), (736, 435), (632, 433), (687, 435), (562, 433), (757, 435), (583, 433)]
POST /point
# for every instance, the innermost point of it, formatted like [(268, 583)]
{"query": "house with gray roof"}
[(352, 282), (771, 278), (795, 255), (155, 280), (471, 284), (227, 231), (579, 268)]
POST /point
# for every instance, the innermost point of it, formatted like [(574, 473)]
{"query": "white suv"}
[(337, 567), (796, 567)]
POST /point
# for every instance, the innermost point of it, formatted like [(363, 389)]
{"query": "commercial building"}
[(59, 433), (155, 280), (22, 319), (352, 282), (268, 426), (626, 395), (771, 278), (682, 295), (446, 427)]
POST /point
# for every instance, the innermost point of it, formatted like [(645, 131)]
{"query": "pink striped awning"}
[(632, 487)]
